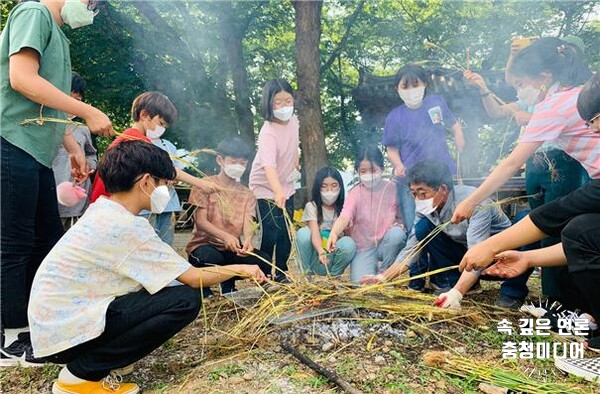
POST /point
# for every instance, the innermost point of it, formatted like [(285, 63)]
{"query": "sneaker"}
[(227, 288), (587, 368), (207, 292), (20, 352), (507, 302), (112, 384)]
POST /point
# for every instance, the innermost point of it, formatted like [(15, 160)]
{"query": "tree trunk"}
[(233, 34), (308, 102)]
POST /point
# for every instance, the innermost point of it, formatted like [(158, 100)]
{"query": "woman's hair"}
[(588, 101), (370, 153), (155, 103), (323, 173), (563, 60), (270, 89), (123, 164), (411, 74)]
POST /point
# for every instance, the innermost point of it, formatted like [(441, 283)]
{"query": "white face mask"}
[(234, 171), (156, 132), (412, 97), (329, 198), (424, 207), (370, 180), (284, 113), (75, 14), (529, 95), (159, 199)]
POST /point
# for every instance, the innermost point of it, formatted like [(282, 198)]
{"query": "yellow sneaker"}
[(109, 385)]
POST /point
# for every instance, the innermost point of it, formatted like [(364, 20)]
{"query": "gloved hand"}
[(450, 299)]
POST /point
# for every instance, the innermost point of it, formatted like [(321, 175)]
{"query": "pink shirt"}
[(556, 119), (277, 148), (372, 212)]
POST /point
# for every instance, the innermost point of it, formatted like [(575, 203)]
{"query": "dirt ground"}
[(375, 359)]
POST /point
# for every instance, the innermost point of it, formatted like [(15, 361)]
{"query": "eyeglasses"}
[(591, 121), (423, 195)]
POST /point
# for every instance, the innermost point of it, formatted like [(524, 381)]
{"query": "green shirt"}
[(30, 25)]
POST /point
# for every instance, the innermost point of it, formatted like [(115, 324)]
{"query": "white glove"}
[(450, 299)]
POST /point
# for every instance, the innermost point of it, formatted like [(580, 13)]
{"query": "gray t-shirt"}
[(310, 213)]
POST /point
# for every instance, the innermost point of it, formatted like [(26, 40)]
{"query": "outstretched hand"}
[(509, 264)]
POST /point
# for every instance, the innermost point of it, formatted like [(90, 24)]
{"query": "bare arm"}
[(338, 228), (25, 79), (315, 236), (231, 242), (79, 165), (459, 138), (273, 179), (394, 158), (512, 263), (208, 276), (205, 186)]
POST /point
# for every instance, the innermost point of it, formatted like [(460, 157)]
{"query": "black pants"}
[(275, 235), (30, 226), (581, 244), (206, 256), (136, 324), (551, 175)]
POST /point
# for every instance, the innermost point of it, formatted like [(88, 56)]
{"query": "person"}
[(35, 78), (555, 71), (550, 173), (224, 221), (101, 298), (275, 170), (319, 215), (61, 166), (436, 197), (416, 131), (371, 208), (164, 223), (152, 113)]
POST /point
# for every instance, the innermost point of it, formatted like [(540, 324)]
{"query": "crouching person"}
[(101, 299)]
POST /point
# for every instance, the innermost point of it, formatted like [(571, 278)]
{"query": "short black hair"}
[(565, 61), (432, 173), (270, 89), (123, 164), (588, 101), (155, 103), (323, 173), (78, 84), (370, 153), (234, 147), (412, 74)]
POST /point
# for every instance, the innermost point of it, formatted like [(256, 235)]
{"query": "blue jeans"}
[(164, 226), (338, 260), (406, 203), (366, 262), (30, 227)]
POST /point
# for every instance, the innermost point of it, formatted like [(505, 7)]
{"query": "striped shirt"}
[(556, 119)]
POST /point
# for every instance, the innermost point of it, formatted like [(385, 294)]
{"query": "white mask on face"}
[(159, 199), (529, 95), (329, 198), (284, 113), (424, 207), (412, 97), (75, 14), (370, 180), (234, 171), (156, 132)]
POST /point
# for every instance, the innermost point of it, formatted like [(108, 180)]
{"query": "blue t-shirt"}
[(420, 134)]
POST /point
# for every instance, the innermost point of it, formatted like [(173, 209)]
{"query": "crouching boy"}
[(100, 299)]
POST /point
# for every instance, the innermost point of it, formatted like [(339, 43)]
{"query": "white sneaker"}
[(587, 368)]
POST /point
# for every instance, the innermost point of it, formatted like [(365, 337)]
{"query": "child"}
[(152, 113), (62, 162), (371, 208), (275, 169), (100, 299), (224, 220), (416, 131), (35, 76), (319, 215)]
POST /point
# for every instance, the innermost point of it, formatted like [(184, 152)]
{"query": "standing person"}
[(555, 71), (275, 170), (224, 219), (550, 173), (62, 162), (35, 77), (320, 213), (371, 209), (101, 299), (416, 131)]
